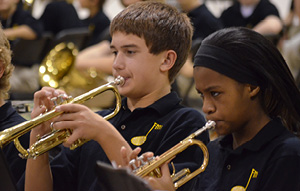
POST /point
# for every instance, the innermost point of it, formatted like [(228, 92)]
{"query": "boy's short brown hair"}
[(5, 60), (162, 26)]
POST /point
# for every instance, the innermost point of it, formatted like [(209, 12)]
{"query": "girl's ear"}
[(168, 61), (253, 90)]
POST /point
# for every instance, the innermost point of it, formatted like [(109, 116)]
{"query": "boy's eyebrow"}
[(126, 46)]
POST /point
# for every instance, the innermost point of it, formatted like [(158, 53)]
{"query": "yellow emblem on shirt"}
[(253, 174), (139, 140)]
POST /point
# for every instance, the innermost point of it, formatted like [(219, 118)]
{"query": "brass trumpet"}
[(55, 137), (151, 168)]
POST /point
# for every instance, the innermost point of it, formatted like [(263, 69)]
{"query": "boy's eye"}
[(114, 52), (130, 52)]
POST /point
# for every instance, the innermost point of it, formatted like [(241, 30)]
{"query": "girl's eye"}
[(201, 95), (214, 94)]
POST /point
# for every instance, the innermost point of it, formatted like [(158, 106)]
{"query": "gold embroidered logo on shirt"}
[(253, 174), (157, 126), (139, 140)]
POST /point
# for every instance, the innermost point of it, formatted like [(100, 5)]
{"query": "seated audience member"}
[(97, 22), (259, 15), (204, 22), (18, 23), (148, 63), (8, 115), (58, 16), (248, 90)]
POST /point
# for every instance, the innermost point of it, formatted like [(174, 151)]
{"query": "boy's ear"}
[(253, 90), (169, 60)]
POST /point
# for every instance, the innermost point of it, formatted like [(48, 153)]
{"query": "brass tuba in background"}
[(58, 70)]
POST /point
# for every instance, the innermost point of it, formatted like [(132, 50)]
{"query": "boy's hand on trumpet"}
[(42, 104)]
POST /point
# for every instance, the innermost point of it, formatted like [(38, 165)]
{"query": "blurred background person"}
[(59, 15), (260, 15), (204, 22), (18, 23), (97, 22)]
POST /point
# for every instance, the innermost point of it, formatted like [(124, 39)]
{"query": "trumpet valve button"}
[(61, 98), (54, 100), (132, 163), (141, 159), (69, 98)]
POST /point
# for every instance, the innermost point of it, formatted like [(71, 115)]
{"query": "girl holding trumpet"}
[(249, 91)]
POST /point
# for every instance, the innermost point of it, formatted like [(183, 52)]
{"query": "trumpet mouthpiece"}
[(119, 81), (209, 125)]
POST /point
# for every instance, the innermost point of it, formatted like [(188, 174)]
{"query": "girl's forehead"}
[(207, 77)]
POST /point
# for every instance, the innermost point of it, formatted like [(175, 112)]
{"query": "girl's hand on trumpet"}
[(163, 183), (128, 157)]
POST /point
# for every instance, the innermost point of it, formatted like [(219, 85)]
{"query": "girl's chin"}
[(221, 131)]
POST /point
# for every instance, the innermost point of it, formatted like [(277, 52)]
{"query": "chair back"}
[(30, 52), (78, 36)]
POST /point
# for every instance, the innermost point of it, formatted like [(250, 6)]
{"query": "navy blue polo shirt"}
[(9, 118), (232, 16), (59, 16), (170, 123), (204, 22), (270, 161)]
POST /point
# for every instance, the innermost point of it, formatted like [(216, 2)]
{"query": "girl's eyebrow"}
[(208, 89)]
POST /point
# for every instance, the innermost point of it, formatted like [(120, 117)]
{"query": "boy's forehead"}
[(123, 39)]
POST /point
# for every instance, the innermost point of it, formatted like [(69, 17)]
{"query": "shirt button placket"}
[(123, 127), (228, 167)]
